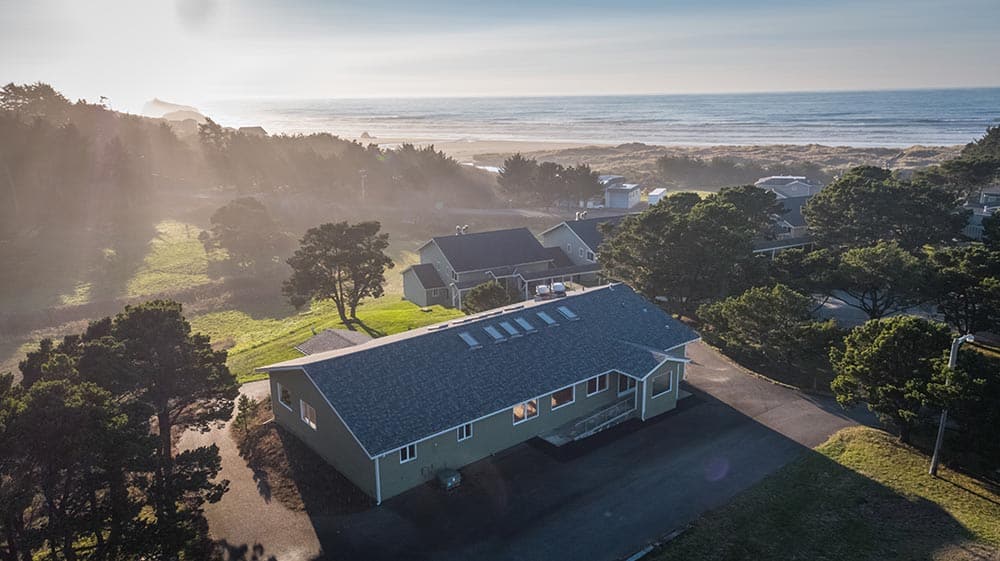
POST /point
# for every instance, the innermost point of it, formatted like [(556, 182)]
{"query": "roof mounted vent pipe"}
[(583, 214), (577, 216)]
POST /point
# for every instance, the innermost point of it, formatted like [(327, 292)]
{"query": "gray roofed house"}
[(452, 265), (487, 250), (332, 339), (580, 239), (392, 412), (789, 228), (787, 186)]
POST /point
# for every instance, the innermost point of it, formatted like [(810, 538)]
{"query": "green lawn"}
[(860, 495), (176, 260), (254, 342)]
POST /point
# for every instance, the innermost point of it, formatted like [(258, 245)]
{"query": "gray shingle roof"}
[(396, 390), (427, 275), (587, 229), (486, 250), (332, 339)]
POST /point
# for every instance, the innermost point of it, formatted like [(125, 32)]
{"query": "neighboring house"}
[(450, 266), (791, 223), (618, 194), (331, 340), (788, 186), (580, 239), (989, 202), (789, 229), (655, 195), (253, 131), (390, 414)]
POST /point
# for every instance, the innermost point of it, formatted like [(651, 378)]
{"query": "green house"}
[(391, 413)]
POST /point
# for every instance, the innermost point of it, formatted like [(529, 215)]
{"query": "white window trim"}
[(670, 390), (302, 414), (599, 390), (287, 406), (526, 416), (591, 257), (581, 252), (410, 456), (635, 384), (461, 429), (571, 401)]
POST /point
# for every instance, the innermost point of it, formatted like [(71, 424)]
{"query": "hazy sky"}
[(192, 50)]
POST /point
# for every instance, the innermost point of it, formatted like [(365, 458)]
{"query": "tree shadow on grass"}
[(356, 324), (225, 551)]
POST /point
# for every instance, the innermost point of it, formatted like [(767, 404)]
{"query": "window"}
[(567, 313), (525, 411), (591, 256), (563, 397), (308, 414), (525, 325), (469, 340), (285, 397), (663, 383), (581, 252), (492, 332), (597, 384), (454, 276), (465, 432), (510, 329), (408, 453), (569, 249), (625, 384), (546, 318)]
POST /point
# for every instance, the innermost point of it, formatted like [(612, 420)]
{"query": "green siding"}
[(331, 439), (665, 402), (489, 435)]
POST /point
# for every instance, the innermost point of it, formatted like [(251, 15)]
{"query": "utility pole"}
[(952, 362)]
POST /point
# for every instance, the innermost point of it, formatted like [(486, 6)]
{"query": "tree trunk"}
[(904, 433), (165, 502)]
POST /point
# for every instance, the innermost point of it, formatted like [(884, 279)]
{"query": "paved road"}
[(602, 498)]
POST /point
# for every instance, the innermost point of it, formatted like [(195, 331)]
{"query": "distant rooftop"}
[(331, 340), (488, 250)]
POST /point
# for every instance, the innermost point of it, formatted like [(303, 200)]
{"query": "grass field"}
[(860, 495), (175, 261), (254, 342)]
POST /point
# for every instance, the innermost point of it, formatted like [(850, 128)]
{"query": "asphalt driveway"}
[(602, 498)]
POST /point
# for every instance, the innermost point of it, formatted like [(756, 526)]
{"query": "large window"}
[(662, 383), (285, 397), (625, 384), (465, 432), (563, 397), (597, 384), (308, 414), (408, 453), (525, 411)]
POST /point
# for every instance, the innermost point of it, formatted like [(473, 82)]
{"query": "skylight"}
[(510, 329), (525, 325), (568, 313), (546, 318), (469, 340), (492, 332)]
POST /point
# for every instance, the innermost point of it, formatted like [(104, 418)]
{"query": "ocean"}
[(875, 118)]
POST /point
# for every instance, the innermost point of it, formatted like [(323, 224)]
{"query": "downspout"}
[(643, 394), (378, 483)]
